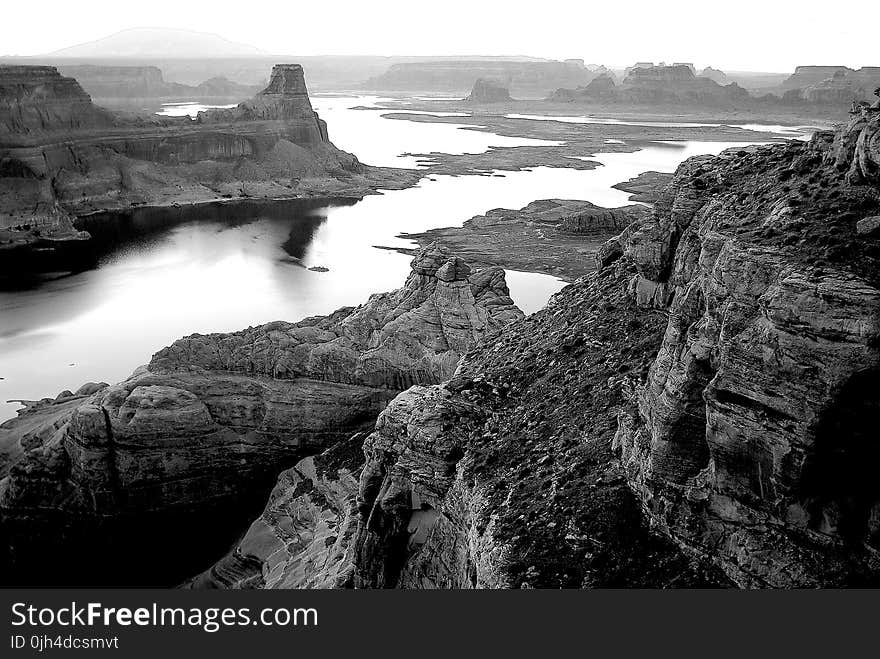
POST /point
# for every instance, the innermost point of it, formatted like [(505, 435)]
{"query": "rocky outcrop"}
[(832, 86), (738, 443), (677, 84), (646, 186), (112, 86), (36, 99), (804, 76), (856, 147), (206, 426), (714, 74), (556, 236), (601, 88), (488, 91), (61, 156), (285, 99), (699, 411), (504, 477), (836, 90), (524, 78), (303, 538), (669, 85)]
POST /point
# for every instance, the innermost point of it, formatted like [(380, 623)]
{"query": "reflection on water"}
[(608, 121), (231, 266), (188, 108)]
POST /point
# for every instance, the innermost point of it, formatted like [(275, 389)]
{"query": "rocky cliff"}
[(714, 74), (488, 91), (831, 85), (35, 99), (285, 99), (113, 86), (61, 156), (663, 85), (524, 78), (212, 419), (700, 411)]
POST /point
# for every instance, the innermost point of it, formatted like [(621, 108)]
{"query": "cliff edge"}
[(700, 411)]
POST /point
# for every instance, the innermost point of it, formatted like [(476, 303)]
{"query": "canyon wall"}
[(488, 91), (526, 78), (120, 86), (823, 87), (657, 85), (210, 422), (700, 411), (61, 156)]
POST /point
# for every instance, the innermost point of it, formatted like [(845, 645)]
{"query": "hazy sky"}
[(763, 35)]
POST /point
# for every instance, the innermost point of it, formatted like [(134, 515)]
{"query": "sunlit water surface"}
[(188, 108), (216, 275)]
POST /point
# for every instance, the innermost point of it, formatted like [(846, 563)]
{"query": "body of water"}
[(188, 108), (231, 266), (776, 130)]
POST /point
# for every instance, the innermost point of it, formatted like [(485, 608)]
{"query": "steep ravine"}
[(699, 411)]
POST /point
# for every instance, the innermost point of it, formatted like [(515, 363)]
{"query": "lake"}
[(228, 267)]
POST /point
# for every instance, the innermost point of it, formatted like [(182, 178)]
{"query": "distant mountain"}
[(160, 42)]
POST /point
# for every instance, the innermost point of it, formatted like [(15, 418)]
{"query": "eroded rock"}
[(213, 418)]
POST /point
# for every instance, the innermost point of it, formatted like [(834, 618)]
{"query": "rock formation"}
[(524, 78), (35, 99), (714, 74), (676, 84), (820, 88), (699, 411), (303, 537), (670, 85), (831, 86), (601, 88), (119, 86), (285, 99), (488, 91), (61, 156), (555, 236), (213, 418)]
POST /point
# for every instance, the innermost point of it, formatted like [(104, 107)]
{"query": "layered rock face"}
[(303, 538), (120, 85), (488, 91), (285, 99), (524, 78), (61, 156), (658, 85), (212, 419), (749, 441), (664, 84), (714, 74), (855, 148), (714, 382), (35, 99), (503, 477), (831, 85), (804, 76)]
